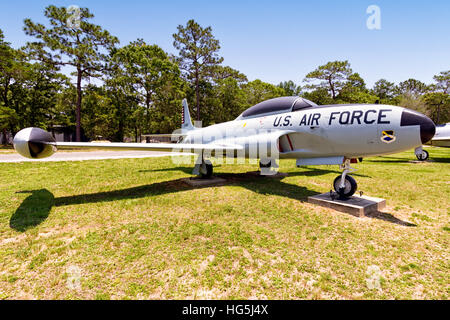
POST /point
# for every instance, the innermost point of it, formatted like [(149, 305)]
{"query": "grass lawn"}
[(130, 229), (6, 149)]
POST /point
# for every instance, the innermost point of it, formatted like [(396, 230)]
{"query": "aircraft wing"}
[(168, 147), (36, 143)]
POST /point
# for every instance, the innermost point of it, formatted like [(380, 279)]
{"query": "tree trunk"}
[(78, 109), (438, 111), (5, 94), (147, 103), (332, 89), (120, 130), (197, 94), (4, 140)]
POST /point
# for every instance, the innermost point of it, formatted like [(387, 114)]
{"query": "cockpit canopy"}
[(275, 106)]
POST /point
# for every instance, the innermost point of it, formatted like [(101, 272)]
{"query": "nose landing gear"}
[(421, 154), (344, 184)]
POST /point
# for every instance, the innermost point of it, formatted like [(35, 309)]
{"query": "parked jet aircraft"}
[(442, 136), (285, 127), (440, 139)]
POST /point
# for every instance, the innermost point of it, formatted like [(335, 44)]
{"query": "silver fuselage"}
[(351, 131)]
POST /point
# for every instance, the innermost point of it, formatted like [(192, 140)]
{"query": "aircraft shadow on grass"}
[(37, 206), (310, 173), (390, 159)]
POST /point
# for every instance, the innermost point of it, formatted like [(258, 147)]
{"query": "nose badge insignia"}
[(388, 136)]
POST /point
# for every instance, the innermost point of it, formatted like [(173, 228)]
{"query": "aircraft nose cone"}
[(414, 118), (427, 129)]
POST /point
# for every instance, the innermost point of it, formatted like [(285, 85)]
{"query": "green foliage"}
[(437, 105), (224, 72), (412, 87), (69, 45), (99, 120), (7, 116), (229, 100), (319, 96), (416, 95), (141, 86), (384, 89), (36, 94), (198, 50), (443, 81), (257, 91), (355, 81), (355, 95), (8, 71), (355, 91), (65, 107), (29, 90), (79, 44), (147, 73), (290, 88), (332, 76), (411, 102)]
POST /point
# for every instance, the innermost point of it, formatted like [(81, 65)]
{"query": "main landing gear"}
[(203, 168), (206, 170), (266, 165), (344, 184)]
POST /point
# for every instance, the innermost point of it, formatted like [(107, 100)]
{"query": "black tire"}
[(350, 186), (423, 155), (265, 165), (208, 173)]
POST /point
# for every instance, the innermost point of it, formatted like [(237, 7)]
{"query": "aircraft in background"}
[(440, 139), (286, 128)]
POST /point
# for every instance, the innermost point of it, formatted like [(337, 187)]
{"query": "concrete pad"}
[(356, 205), (276, 175), (199, 182)]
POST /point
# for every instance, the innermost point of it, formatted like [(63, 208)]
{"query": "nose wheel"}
[(345, 185), (421, 154), (349, 187)]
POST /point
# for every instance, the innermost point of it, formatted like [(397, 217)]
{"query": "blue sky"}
[(278, 40)]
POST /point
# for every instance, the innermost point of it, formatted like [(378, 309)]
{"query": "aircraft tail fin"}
[(186, 123)]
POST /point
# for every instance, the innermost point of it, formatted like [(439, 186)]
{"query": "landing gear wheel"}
[(264, 164), (206, 170), (348, 190), (422, 156)]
